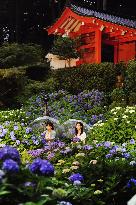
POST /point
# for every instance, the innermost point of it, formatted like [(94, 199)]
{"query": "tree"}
[(65, 48), (13, 55)]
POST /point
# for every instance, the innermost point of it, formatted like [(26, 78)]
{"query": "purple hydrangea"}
[(107, 144), (15, 127), (43, 141), (76, 177), (10, 165), (28, 130), (36, 153), (126, 155), (87, 147), (8, 152), (108, 156), (41, 167), (132, 141), (76, 139), (50, 156)]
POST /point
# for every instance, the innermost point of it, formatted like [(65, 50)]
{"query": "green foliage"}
[(132, 98), (119, 126), (118, 97), (130, 80), (14, 55), (12, 82), (86, 77)]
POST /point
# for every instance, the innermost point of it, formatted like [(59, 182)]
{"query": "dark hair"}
[(50, 124), (81, 124)]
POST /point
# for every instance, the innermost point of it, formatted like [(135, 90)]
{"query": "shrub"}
[(86, 77), (132, 98), (130, 79), (38, 72)]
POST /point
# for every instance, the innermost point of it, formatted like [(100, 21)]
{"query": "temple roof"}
[(76, 21), (106, 17)]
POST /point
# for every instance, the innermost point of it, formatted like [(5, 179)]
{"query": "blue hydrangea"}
[(41, 167), (131, 182), (76, 177), (10, 165), (8, 152)]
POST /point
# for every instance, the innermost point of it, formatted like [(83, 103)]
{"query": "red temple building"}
[(102, 37)]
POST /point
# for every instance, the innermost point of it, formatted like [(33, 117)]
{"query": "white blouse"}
[(50, 135), (82, 137)]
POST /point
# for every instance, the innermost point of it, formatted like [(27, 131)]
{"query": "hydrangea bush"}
[(120, 125)]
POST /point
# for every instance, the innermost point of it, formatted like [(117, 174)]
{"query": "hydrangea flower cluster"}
[(10, 165), (76, 139), (76, 177), (131, 182), (8, 152), (11, 158), (41, 167)]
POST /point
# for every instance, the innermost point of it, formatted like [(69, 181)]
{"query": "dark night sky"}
[(124, 8)]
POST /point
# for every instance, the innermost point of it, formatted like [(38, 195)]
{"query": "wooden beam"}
[(123, 40), (85, 31), (110, 42), (88, 46)]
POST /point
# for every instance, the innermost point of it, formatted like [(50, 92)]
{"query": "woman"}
[(49, 133), (79, 133)]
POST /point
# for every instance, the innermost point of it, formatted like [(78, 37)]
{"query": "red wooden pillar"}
[(116, 54), (98, 42)]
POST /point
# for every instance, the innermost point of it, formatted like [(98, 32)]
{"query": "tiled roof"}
[(106, 17)]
